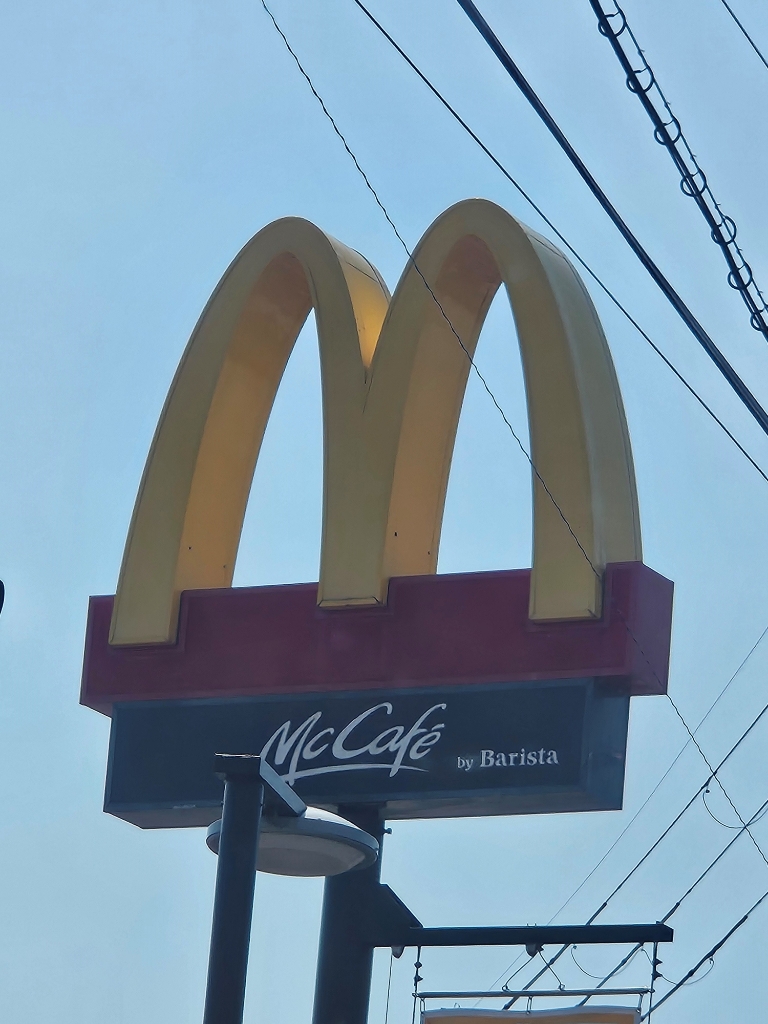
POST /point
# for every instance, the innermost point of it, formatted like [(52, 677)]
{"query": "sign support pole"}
[(345, 959), (249, 782), (232, 906), (233, 902)]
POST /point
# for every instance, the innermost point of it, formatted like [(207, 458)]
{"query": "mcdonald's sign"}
[(494, 692)]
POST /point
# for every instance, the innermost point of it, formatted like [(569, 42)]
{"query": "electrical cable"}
[(746, 34), (389, 986), (437, 302), (657, 843), (714, 353), (668, 132), (713, 775), (496, 403), (577, 256), (707, 956), (473, 135), (759, 813), (491, 394), (679, 754), (713, 772), (717, 779), (599, 977), (723, 823), (493, 398), (688, 983)]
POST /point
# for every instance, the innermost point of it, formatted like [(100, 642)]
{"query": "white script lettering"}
[(304, 744)]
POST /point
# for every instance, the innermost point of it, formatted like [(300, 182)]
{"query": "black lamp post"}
[(250, 786), (295, 840)]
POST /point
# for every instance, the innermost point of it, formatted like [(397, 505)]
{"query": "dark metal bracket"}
[(385, 920)]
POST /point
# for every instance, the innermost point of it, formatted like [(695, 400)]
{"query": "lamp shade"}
[(316, 843)]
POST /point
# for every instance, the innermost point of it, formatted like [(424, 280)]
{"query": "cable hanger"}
[(668, 132), (713, 772), (698, 331), (550, 224)]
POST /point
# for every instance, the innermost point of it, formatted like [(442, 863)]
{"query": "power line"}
[(713, 775), (676, 709), (639, 811), (534, 469), (429, 288), (714, 353), (577, 256), (707, 956), (746, 34), (655, 789), (460, 120), (516, 75), (668, 132), (673, 910), (755, 721)]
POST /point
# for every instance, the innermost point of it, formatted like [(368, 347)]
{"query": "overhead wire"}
[(637, 813), (495, 401), (668, 132), (759, 813), (675, 300), (678, 817), (389, 985), (573, 251), (642, 807), (507, 174), (725, 824), (713, 771), (431, 291), (599, 977), (670, 982), (707, 956), (672, 764), (744, 32)]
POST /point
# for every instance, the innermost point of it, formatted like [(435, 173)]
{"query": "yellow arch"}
[(393, 382)]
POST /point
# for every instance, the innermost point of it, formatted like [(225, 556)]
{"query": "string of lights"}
[(668, 132), (675, 300)]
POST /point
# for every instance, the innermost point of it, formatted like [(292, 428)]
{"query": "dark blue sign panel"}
[(520, 748)]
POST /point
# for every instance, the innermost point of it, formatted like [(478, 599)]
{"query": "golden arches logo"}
[(393, 379)]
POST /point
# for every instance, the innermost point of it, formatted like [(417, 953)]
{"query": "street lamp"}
[(295, 840), (315, 844)]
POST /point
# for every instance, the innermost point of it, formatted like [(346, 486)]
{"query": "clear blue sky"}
[(143, 144)]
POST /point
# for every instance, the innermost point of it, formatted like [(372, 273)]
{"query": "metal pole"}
[(233, 902), (345, 960)]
